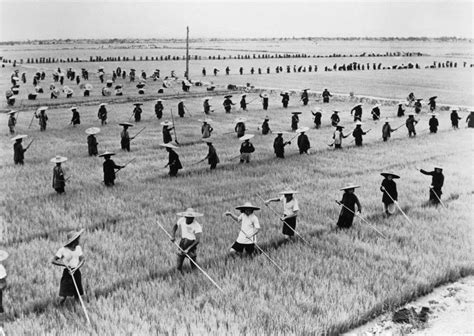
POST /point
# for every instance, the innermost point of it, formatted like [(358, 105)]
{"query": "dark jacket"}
[(303, 143), (212, 157), (390, 188), (279, 146), (247, 147), (167, 134), (265, 127), (58, 178), (437, 180), (18, 152), (109, 167)]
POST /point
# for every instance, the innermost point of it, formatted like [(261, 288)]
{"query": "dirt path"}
[(451, 313)]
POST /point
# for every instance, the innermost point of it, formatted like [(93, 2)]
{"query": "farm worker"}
[(18, 150), (376, 112), (387, 130), (433, 123), (290, 211), (401, 110), (265, 127), (137, 112), (173, 159), (338, 136), (43, 118), (12, 121), (317, 117), (249, 228), (357, 110), (303, 141), (228, 103), (71, 257), (59, 181), (92, 141), (349, 200), (410, 124), (125, 137), (358, 133), (326, 94), (109, 167), (335, 118), (159, 108), (204, 71), (294, 120), (437, 182), (411, 98), (418, 105), (190, 232), (227, 70), (212, 158), (285, 98), (432, 103), (455, 118), (167, 127), (243, 102), (206, 105), (279, 145), (240, 127), (102, 114), (76, 118), (206, 128), (264, 97), (470, 120), (389, 192), (181, 108), (304, 97), (3, 279), (216, 71), (246, 148)]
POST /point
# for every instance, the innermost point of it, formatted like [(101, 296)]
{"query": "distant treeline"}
[(174, 40)]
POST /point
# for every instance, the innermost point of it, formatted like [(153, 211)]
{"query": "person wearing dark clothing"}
[(376, 112), (349, 201), (358, 133), (418, 106), (335, 119), (433, 123), (243, 103), (109, 167), (173, 161), (206, 129), (92, 145), (206, 105), (167, 127), (76, 118), (455, 119), (357, 110), (389, 191), (279, 145), (265, 126), (227, 104), (285, 98), (240, 127), (437, 182), (305, 97), (137, 112), (432, 103), (387, 130), (18, 150), (212, 158), (12, 122), (410, 124), (102, 114), (326, 94), (401, 110), (303, 143), (294, 121), (43, 118), (246, 148), (264, 101), (59, 181), (125, 137), (470, 120), (317, 118), (159, 109), (411, 98), (181, 109)]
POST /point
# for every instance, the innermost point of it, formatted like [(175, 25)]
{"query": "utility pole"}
[(187, 53)]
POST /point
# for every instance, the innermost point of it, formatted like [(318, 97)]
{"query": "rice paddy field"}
[(341, 280)]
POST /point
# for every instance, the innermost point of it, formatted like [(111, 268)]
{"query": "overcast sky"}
[(41, 19)]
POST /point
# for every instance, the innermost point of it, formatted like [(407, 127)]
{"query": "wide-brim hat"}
[(73, 108), (394, 176), (72, 236), (419, 99), (103, 104), (228, 96), (318, 109), (137, 104), (296, 112), (166, 123), (411, 114), (169, 145), (58, 159), (387, 120), (106, 153), (88, 86), (350, 186), (118, 87), (302, 130), (126, 124), (358, 123), (32, 94), (205, 120), (359, 104), (109, 81), (243, 95), (159, 100), (15, 78), (42, 108), (433, 98), (246, 137), (247, 205), (376, 105), (335, 111), (3, 255), (434, 114), (305, 89), (288, 192), (190, 213), (280, 132), (438, 167), (207, 98), (92, 130), (12, 112), (338, 126), (18, 137), (240, 119), (266, 118), (265, 95), (401, 103)]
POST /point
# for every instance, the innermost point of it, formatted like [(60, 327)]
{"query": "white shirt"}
[(188, 231), (70, 258), (3, 272), (249, 226), (337, 137), (289, 208)]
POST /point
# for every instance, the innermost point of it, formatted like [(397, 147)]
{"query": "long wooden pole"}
[(187, 53)]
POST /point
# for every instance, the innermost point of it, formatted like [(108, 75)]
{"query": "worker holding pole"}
[(290, 211)]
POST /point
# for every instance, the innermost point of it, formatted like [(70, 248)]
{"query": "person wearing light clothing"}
[(190, 231), (290, 211), (70, 257), (249, 228), (3, 279)]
